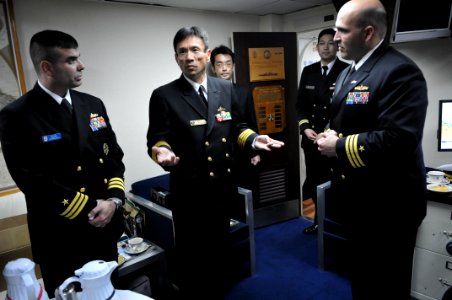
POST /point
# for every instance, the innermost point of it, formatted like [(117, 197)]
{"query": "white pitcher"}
[(95, 281), (21, 281)]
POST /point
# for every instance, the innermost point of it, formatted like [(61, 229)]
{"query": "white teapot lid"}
[(18, 266), (93, 269)]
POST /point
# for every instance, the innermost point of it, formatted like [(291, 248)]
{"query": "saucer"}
[(444, 181), (439, 188), (143, 247)]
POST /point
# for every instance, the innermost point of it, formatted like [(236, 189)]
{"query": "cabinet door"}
[(432, 274), (436, 229)]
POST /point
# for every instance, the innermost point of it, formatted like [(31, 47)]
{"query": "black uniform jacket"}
[(379, 114), (314, 96), (244, 95), (204, 138), (63, 167), (203, 184), (245, 98)]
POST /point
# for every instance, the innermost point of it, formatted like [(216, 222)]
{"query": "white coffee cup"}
[(135, 243), (435, 176)]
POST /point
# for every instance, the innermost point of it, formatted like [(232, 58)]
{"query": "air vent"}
[(272, 185)]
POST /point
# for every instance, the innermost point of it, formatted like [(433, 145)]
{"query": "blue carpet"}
[(286, 268)]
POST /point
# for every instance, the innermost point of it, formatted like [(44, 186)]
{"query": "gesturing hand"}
[(165, 156), (264, 142)]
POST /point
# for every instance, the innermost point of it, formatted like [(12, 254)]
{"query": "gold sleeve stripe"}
[(77, 204), (73, 203), (116, 182), (159, 144), (85, 199), (358, 158), (351, 149), (116, 186), (303, 121), (347, 150), (76, 207), (244, 136)]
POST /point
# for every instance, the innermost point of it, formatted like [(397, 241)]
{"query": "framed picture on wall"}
[(12, 82)]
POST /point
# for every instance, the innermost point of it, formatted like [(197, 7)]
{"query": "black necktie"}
[(66, 106), (201, 94), (325, 69)]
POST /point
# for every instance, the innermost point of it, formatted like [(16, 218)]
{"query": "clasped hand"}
[(310, 134), (102, 214), (326, 142)]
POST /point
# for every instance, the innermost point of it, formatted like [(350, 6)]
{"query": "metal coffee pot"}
[(95, 281), (69, 293), (21, 281)]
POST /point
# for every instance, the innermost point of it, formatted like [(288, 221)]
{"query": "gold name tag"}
[(198, 122)]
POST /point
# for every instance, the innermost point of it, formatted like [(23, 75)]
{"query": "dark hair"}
[(185, 32), (325, 32), (222, 49), (43, 46)]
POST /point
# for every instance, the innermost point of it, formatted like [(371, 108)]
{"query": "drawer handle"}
[(444, 281)]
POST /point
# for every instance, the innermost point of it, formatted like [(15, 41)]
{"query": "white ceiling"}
[(249, 7)]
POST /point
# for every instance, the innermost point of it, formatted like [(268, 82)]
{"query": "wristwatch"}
[(117, 201)]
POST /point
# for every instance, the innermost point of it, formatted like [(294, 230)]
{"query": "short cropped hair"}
[(222, 49), (186, 32), (326, 31), (43, 46)]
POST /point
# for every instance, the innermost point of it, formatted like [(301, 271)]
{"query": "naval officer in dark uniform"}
[(378, 185), (313, 107), (194, 132), (62, 153)]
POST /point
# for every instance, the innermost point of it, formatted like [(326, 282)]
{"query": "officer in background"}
[(313, 107), (222, 60)]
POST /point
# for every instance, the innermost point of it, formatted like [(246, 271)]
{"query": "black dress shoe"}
[(311, 229)]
